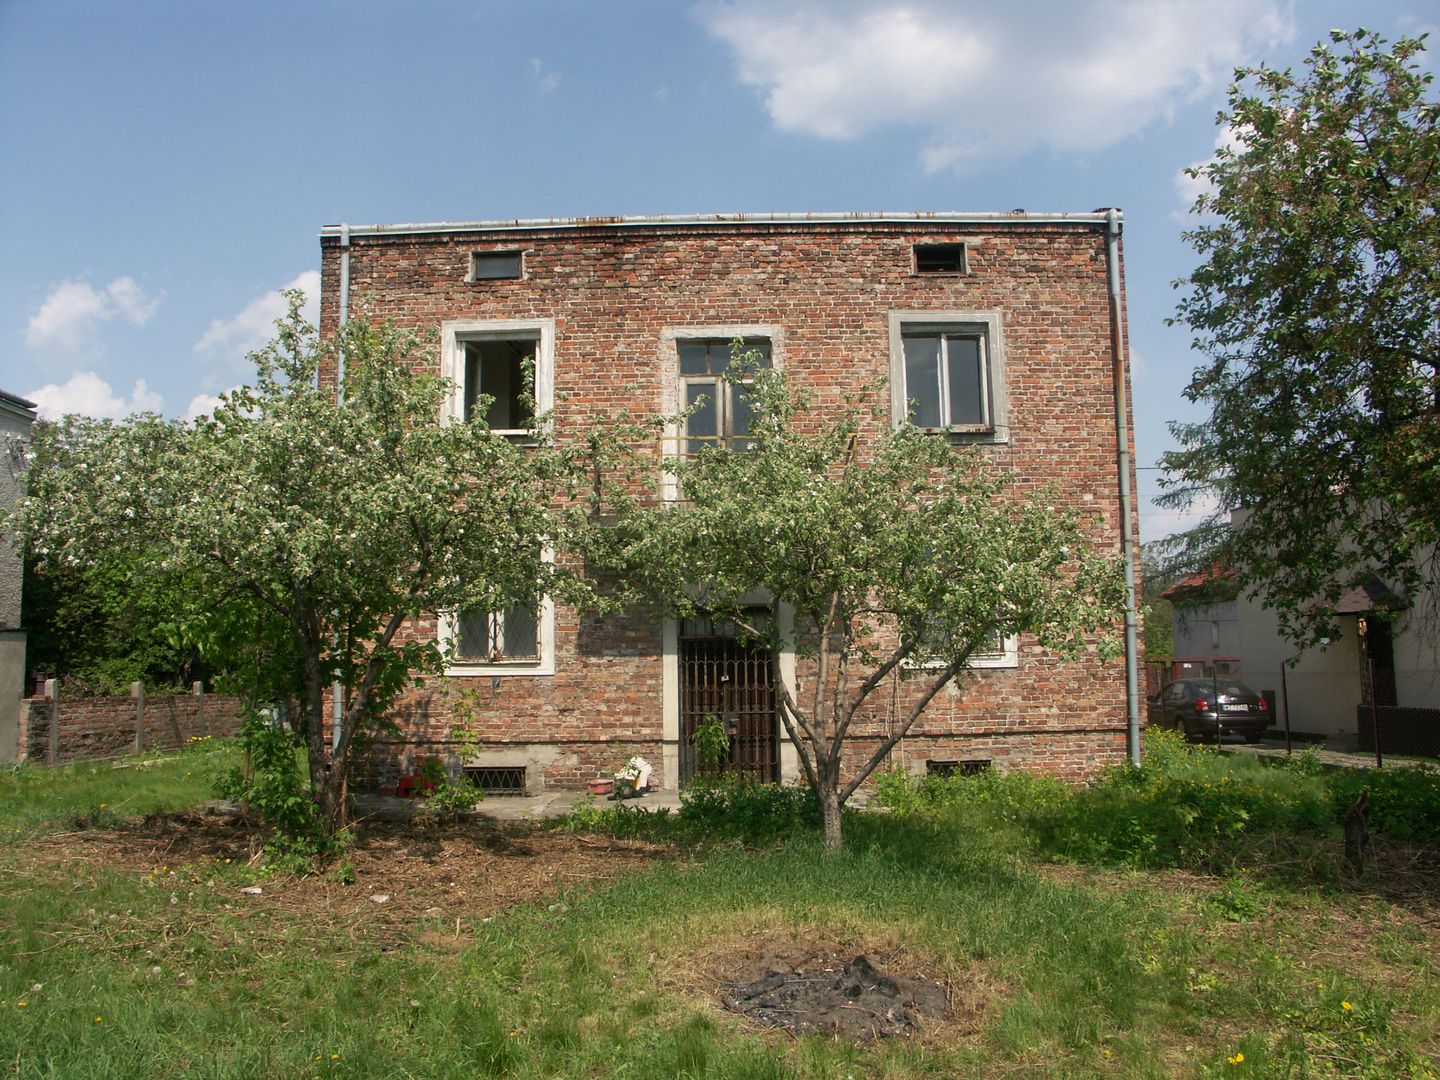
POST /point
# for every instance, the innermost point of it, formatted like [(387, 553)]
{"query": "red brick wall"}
[(831, 288), (102, 727)]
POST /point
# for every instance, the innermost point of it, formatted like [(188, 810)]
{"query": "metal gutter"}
[(337, 690), (1122, 457), (911, 217)]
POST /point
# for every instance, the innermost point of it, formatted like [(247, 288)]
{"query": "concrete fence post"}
[(137, 691), (198, 689), (52, 696)]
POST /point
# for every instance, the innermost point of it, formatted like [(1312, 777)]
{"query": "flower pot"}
[(600, 787)]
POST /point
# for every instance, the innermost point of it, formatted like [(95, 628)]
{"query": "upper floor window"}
[(495, 265), (721, 415), (947, 372), (940, 259), (499, 374), (504, 366)]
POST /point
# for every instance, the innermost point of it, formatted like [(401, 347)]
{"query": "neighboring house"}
[(1206, 627), (1386, 654), (16, 417), (998, 326)]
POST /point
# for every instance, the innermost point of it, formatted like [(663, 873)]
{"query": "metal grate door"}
[(720, 677)]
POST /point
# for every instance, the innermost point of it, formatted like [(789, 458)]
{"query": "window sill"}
[(997, 660), (500, 670)]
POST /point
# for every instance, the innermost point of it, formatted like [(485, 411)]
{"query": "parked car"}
[(1193, 706)]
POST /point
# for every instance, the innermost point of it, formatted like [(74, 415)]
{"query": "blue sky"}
[(165, 166)]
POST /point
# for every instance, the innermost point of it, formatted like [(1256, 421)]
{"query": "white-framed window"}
[(721, 412), (486, 362), (995, 652), (674, 392), (517, 641), (498, 637), (947, 372)]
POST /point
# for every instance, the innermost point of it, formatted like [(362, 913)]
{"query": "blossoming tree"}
[(333, 520)]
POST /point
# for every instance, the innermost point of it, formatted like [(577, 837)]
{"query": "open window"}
[(499, 376), (505, 367), (941, 259)]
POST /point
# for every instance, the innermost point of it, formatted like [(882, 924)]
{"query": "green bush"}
[(734, 808), (1404, 802), (272, 782), (1186, 806)]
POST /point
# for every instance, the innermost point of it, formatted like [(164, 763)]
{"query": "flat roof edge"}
[(1014, 217)]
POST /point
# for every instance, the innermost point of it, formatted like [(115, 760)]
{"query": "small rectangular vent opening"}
[(494, 265), (502, 780), (940, 259), (972, 767)]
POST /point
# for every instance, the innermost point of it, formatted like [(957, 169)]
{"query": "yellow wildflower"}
[(1346, 1006)]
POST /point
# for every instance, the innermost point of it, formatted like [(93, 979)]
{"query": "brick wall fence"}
[(103, 727)]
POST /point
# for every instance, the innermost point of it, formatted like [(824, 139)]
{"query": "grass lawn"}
[(128, 948)]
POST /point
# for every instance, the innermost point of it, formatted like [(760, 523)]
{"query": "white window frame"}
[(1007, 656), (985, 325), (455, 335)]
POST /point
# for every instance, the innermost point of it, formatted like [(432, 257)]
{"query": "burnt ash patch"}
[(855, 1000)]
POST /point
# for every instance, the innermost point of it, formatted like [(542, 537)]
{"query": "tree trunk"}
[(830, 817), (327, 777)]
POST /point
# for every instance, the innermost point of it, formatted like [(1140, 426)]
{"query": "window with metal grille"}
[(971, 767), (940, 259), (497, 636), (710, 387), (498, 780)]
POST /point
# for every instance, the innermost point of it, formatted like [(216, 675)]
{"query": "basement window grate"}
[(502, 780), (973, 767)]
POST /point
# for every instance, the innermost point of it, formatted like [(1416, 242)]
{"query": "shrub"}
[(272, 783), (1403, 802)]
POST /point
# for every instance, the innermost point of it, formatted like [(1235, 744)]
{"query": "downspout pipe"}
[(1122, 459), (337, 691)]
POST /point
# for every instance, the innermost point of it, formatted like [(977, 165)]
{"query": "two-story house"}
[(1002, 330)]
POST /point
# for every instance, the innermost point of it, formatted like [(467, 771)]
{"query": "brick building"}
[(1002, 328)]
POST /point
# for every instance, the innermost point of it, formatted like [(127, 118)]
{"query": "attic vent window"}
[(940, 259), (494, 265)]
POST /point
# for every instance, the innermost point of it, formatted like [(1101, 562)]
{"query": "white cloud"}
[(547, 81), (1189, 188), (72, 313), (255, 325), (981, 79), (202, 405), (87, 393)]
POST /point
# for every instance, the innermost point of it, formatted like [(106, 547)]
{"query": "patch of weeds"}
[(101, 816), (450, 799), (1237, 900), (1404, 802)]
